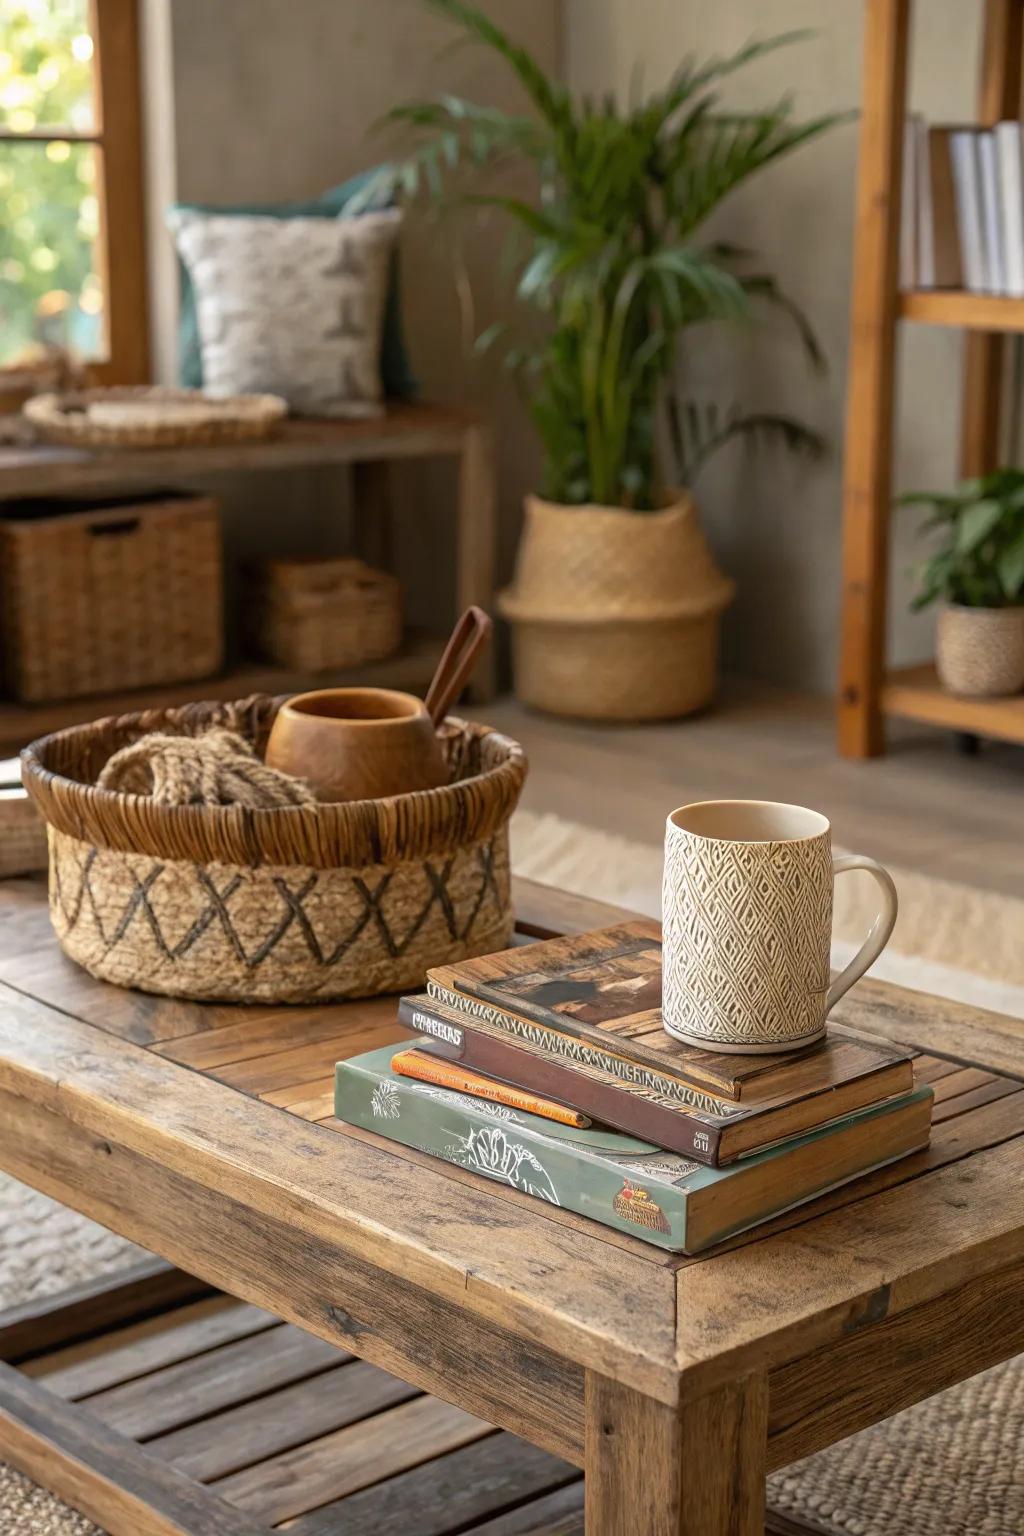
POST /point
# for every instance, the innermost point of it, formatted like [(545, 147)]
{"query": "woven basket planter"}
[(317, 615), (979, 652), (104, 595), (289, 906), (615, 615)]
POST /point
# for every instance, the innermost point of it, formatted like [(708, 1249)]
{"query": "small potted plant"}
[(616, 601), (976, 572)]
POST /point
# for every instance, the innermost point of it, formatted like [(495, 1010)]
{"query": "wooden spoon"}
[(456, 666)]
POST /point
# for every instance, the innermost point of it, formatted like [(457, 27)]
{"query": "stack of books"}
[(547, 1068), (962, 213)]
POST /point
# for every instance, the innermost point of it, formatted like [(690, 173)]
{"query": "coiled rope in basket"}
[(296, 904)]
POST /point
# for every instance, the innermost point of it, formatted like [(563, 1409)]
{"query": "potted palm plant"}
[(616, 600), (976, 573)]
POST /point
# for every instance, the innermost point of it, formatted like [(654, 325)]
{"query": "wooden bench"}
[(366, 448)]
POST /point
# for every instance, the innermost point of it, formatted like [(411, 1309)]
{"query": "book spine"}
[(576, 1049), (967, 187), (925, 224), (996, 265), (1011, 184), (455, 1075), (503, 1147), (908, 208), (628, 1108)]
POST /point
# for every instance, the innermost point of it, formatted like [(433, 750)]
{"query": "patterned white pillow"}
[(291, 307)]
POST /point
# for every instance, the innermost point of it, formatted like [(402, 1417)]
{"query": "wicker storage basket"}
[(316, 615), (615, 614), (293, 905), (98, 596)]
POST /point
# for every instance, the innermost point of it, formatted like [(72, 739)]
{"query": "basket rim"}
[(391, 829)]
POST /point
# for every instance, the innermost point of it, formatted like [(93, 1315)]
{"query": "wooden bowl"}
[(357, 743)]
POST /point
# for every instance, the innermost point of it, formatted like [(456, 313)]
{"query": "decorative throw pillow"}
[(399, 381), (291, 307)]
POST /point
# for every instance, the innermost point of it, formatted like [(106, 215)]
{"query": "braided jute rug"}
[(952, 1466)]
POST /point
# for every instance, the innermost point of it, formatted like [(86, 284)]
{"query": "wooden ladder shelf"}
[(868, 692)]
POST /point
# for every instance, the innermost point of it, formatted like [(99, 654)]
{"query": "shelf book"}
[(618, 1180), (578, 1020), (962, 210)]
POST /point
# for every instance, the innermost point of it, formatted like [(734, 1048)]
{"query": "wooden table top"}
[(206, 1133)]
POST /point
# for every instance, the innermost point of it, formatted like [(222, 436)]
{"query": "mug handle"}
[(880, 931)]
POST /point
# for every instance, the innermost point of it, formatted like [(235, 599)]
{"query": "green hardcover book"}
[(627, 1184)]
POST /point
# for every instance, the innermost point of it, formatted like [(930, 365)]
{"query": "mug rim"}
[(294, 706), (824, 828)]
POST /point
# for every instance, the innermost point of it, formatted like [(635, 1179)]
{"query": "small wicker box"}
[(105, 595), (315, 615)]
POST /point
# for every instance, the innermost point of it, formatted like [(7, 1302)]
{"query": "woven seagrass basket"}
[(615, 615), (292, 905), (152, 416)]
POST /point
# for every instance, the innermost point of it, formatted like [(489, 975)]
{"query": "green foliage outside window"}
[(49, 289)]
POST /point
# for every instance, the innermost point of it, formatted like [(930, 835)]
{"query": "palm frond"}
[(764, 287), (551, 101), (692, 77), (734, 149), (698, 431), (607, 256)]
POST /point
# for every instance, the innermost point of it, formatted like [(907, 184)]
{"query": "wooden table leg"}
[(659, 1471), (475, 536)]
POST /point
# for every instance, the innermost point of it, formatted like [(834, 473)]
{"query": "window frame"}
[(117, 137)]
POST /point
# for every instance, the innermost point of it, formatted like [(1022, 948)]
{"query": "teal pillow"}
[(394, 364)]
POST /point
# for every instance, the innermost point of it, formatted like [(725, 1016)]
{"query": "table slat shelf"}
[(915, 693), (213, 1418)]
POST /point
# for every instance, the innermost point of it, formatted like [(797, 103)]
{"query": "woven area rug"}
[(951, 1466)]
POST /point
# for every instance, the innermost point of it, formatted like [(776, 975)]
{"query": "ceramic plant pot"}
[(979, 652), (615, 614)]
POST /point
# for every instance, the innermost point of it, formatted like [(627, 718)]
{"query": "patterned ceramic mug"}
[(747, 918)]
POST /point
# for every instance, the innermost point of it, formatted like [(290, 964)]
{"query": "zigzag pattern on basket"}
[(284, 905), (324, 949)]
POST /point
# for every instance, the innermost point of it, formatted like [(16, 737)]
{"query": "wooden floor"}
[(924, 806)]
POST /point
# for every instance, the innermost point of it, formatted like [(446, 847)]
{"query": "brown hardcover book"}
[(939, 231), (604, 988), (846, 1073)]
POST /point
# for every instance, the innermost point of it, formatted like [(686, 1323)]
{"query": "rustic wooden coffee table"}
[(205, 1133)]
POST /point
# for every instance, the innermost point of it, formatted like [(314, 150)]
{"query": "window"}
[(71, 236)]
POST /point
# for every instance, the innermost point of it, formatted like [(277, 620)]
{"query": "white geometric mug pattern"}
[(747, 925)]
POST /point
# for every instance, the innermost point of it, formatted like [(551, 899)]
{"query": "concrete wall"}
[(265, 100), (774, 523)]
